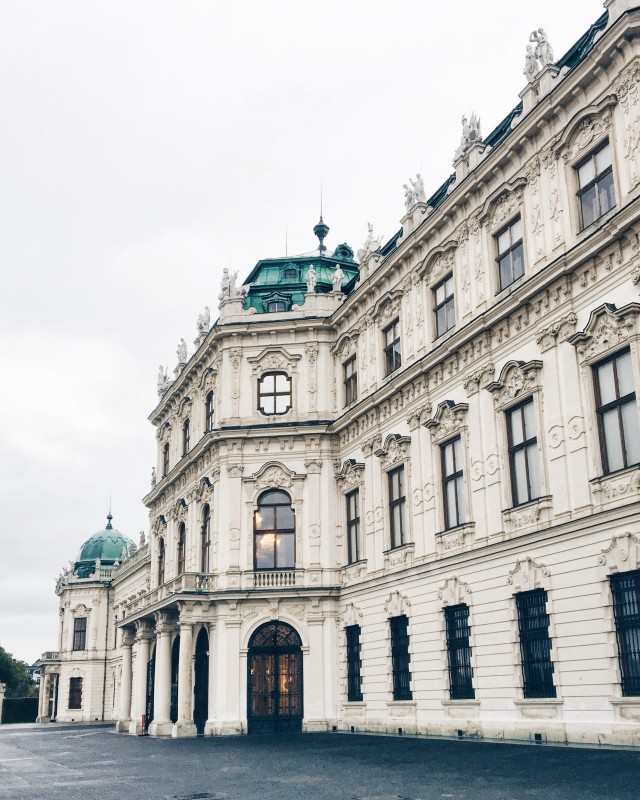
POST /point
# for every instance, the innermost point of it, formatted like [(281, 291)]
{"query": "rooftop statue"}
[(163, 380), (409, 197), (338, 277), (543, 51), (531, 68), (470, 134), (311, 279), (204, 321), (418, 189), (182, 352), (233, 291), (153, 477), (225, 286), (372, 243)]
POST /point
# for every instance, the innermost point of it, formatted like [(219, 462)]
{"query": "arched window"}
[(160, 562), (205, 540), (165, 460), (274, 528), (186, 436), (182, 542), (209, 412), (274, 393)]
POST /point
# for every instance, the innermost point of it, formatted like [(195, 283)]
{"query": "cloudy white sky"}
[(144, 146)]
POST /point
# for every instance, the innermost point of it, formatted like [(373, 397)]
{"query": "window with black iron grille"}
[(617, 412), (510, 253), (209, 412), (453, 483), (350, 381), (354, 663), (80, 633), (535, 644), (625, 588), (459, 652), (353, 526), (186, 437), (392, 352), (397, 502), (75, 692), (444, 306), (523, 453), (274, 393), (205, 539), (182, 546), (165, 460), (596, 193), (400, 658)]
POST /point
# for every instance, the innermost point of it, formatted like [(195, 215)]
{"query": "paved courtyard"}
[(57, 762)]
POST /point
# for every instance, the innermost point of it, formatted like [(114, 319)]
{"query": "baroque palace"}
[(400, 493)]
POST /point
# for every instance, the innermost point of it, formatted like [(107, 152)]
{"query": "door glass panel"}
[(262, 685), (289, 685)]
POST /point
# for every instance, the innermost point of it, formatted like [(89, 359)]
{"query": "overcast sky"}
[(144, 146)]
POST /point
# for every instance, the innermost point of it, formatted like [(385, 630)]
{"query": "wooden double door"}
[(275, 696)]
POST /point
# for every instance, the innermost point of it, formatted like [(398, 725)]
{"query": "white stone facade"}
[(538, 339)]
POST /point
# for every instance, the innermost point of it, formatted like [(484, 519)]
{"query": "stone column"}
[(209, 728), (162, 725), (43, 697), (144, 634), (126, 680), (185, 725), (313, 674), (228, 685)]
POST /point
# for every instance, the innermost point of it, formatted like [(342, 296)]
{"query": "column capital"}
[(165, 622), (144, 629), (128, 637)]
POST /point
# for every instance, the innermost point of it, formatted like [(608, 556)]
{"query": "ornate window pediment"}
[(517, 380), (397, 604), (453, 592), (387, 307), (502, 205), (204, 492), (350, 615), (528, 574), (179, 511), (208, 378), (623, 553), (394, 450), (351, 476), (440, 261), (184, 409), (607, 329), (585, 130), (347, 344), (274, 475), (450, 419), (273, 359)]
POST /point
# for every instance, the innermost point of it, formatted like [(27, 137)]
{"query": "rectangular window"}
[(186, 437), (617, 412), (625, 588), (392, 354), (535, 644), (400, 659), (510, 254), (453, 483), (523, 453), (350, 381), (397, 502), (596, 193), (353, 526), (182, 547), (444, 306), (459, 652), (75, 692), (80, 633), (209, 412), (354, 663), (165, 460)]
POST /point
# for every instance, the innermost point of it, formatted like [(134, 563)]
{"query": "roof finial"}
[(321, 230), (109, 517)]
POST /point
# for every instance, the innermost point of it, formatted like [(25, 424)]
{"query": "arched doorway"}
[(275, 680), (175, 663), (151, 676), (201, 688)]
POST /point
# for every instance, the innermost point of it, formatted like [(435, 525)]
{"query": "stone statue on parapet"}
[(543, 51), (312, 278), (204, 321), (418, 189), (153, 477), (163, 380), (182, 352), (372, 243), (225, 286), (338, 277), (409, 196), (470, 134), (531, 68)]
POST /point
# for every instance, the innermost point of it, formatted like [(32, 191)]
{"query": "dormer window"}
[(290, 274), (276, 305)]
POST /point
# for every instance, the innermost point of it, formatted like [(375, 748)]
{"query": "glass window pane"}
[(441, 323), (529, 420), (586, 173), (284, 518), (613, 444), (264, 519), (606, 193), (516, 231), (631, 432), (504, 241), (515, 421), (285, 551), (589, 207), (274, 497), (606, 383), (282, 403), (448, 285), (264, 550), (603, 158), (450, 500), (505, 271), (400, 473), (520, 476), (457, 447), (267, 404), (625, 374), (282, 383), (460, 496), (266, 384), (440, 293), (517, 262), (448, 459), (534, 472), (451, 314)]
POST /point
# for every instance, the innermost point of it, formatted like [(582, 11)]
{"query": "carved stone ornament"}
[(350, 615), (351, 476), (274, 475), (204, 491), (179, 511), (450, 419), (588, 131), (527, 574), (622, 553), (453, 592), (504, 207), (274, 359), (397, 604), (419, 416), (388, 307), (517, 379), (479, 379), (606, 329), (370, 445), (439, 264), (347, 344), (627, 90), (394, 450), (558, 331)]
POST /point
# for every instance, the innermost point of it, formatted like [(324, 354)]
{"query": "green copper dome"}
[(107, 545)]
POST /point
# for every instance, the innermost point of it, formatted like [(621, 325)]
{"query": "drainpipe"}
[(106, 640)]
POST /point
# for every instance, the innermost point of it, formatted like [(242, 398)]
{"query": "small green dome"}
[(107, 545)]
